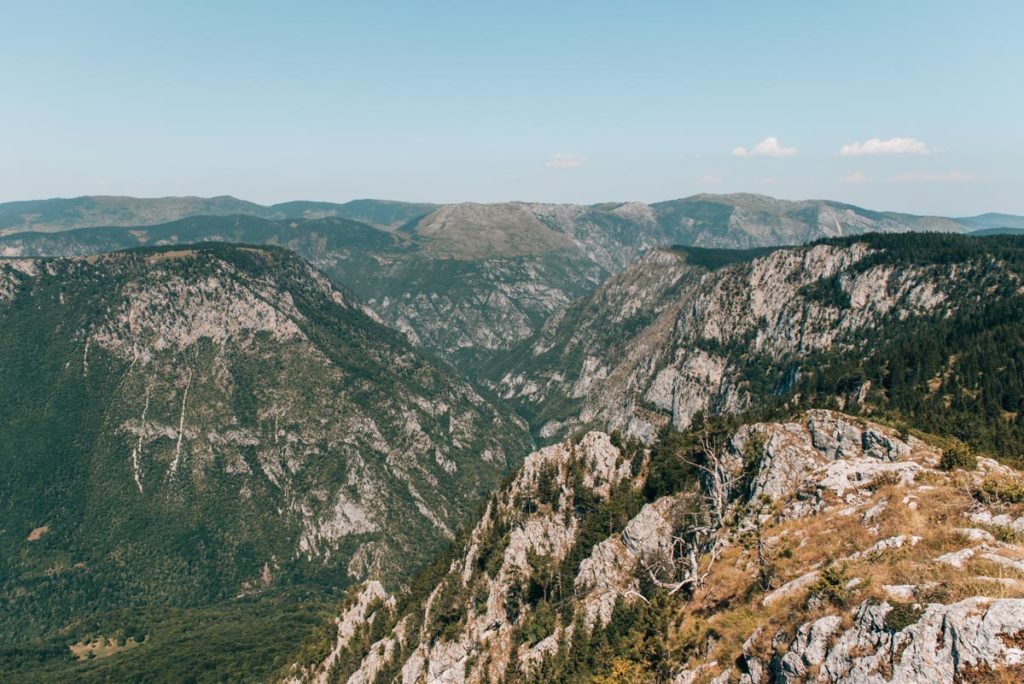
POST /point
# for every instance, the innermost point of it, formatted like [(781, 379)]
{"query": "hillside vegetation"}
[(187, 425), (925, 328)]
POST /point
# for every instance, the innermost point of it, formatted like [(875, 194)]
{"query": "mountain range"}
[(52, 215), (704, 218), (725, 529), (771, 441), (467, 281)]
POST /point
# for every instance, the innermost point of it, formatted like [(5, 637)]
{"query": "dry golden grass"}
[(729, 608)]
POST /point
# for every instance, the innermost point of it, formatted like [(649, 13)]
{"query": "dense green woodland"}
[(960, 376)]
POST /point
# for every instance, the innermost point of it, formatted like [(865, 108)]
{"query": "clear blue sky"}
[(571, 101)]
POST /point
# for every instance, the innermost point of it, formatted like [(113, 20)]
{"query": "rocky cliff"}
[(687, 331), (823, 548)]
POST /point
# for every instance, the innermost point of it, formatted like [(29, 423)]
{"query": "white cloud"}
[(769, 147), (709, 179), (890, 146), (565, 161), (932, 177), (771, 181), (856, 177)]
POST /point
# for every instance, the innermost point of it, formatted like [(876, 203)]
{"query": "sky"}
[(905, 106)]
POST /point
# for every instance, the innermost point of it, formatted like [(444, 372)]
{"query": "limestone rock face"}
[(612, 570), (829, 449), (357, 614), (838, 437), (670, 337), (527, 525), (949, 643)]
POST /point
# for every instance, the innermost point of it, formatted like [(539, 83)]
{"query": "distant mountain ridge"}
[(992, 221), (703, 219), (52, 215)]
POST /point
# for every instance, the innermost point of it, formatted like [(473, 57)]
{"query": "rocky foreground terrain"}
[(822, 548)]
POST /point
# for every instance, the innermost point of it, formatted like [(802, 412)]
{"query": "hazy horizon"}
[(904, 107), (509, 201)]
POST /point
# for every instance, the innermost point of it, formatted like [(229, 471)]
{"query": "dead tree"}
[(696, 549), (717, 481)]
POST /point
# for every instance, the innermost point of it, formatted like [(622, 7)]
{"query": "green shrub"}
[(447, 612), (539, 624), (548, 488), (831, 586), (827, 292), (958, 456), (1003, 490), (902, 615)]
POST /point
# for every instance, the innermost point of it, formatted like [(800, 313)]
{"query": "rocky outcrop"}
[(965, 641), (612, 571), (823, 567), (846, 492), (359, 611), (834, 451), (529, 526)]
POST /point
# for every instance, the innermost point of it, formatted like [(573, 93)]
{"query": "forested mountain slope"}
[(926, 326), (185, 425)]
